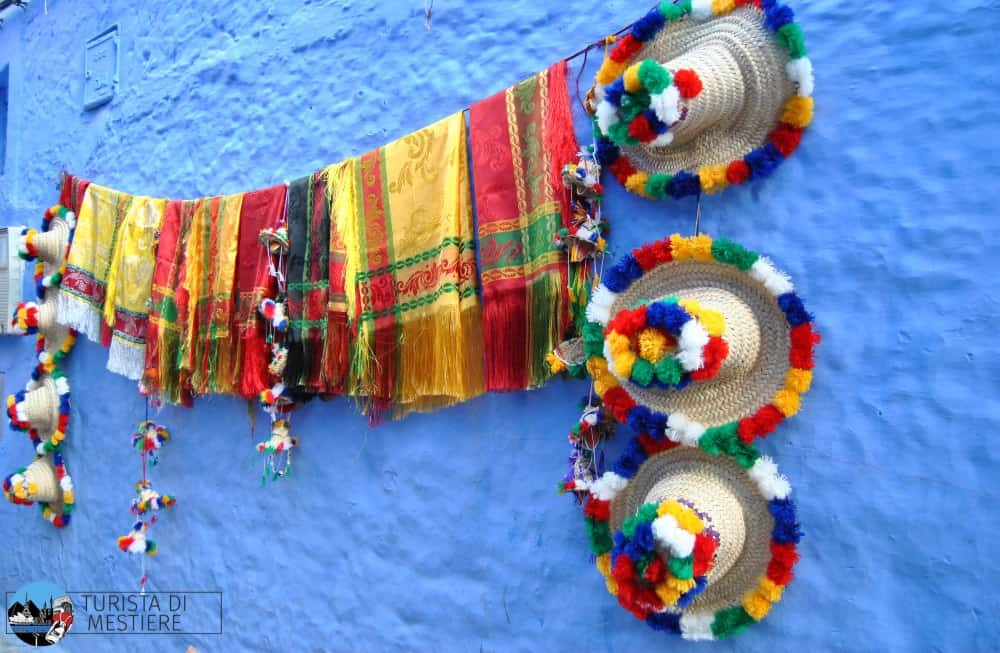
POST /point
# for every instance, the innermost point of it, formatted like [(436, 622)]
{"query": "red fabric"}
[(261, 209), (73, 190)]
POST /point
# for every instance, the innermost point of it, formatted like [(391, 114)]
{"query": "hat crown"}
[(41, 477), (742, 330), (721, 98)]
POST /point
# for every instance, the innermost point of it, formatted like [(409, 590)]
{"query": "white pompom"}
[(597, 313), (777, 282), (684, 430), (662, 140), (667, 105), (607, 116), (693, 339), (769, 481), (801, 72), (608, 486), (701, 9), (697, 626), (668, 533)]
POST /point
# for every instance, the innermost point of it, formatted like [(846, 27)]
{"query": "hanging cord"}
[(697, 217), (428, 11)]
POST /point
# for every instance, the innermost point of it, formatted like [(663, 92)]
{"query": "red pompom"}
[(645, 256), (626, 48), (715, 353), (656, 571), (688, 83), (786, 139), (662, 250), (628, 323), (704, 550), (624, 570), (619, 403), (622, 169), (737, 172), (760, 424), (783, 559), (641, 130), (803, 339), (598, 510), (651, 446)]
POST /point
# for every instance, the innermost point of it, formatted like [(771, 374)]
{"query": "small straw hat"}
[(701, 94), (51, 245), (724, 530), (735, 342), (39, 408)]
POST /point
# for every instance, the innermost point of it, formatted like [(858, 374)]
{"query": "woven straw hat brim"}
[(52, 244), (720, 488), (758, 363), (42, 473), (762, 88)]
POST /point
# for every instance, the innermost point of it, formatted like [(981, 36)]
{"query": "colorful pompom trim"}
[(16, 491), (136, 541), (148, 439), (623, 116), (735, 437), (621, 577), (149, 500)]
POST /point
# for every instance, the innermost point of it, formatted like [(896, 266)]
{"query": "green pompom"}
[(670, 11), (726, 251), (618, 133), (599, 534), (656, 185), (629, 526), (730, 621), (669, 371), (634, 104), (644, 563), (654, 77), (725, 439), (648, 513), (643, 372), (682, 568), (791, 37)]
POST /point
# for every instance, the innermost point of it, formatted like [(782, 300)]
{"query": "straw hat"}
[(37, 408), (724, 532), (702, 340), (703, 94), (50, 246), (46, 482)]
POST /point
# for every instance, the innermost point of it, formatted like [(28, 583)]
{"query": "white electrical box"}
[(11, 274)]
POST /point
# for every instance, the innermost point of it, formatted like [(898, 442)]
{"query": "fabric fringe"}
[(126, 358), (79, 315), (546, 306), (505, 329)]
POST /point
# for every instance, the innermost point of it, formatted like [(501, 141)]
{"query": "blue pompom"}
[(615, 280), (768, 5), (631, 460), (647, 26), (670, 318), (699, 586), (606, 152), (683, 383), (667, 622), (614, 91), (794, 309), (631, 267), (683, 184), (763, 161), (639, 418), (656, 425), (657, 125), (786, 529), (643, 539), (778, 16)]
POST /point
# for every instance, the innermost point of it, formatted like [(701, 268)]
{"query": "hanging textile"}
[(168, 313), (84, 286), (299, 214), (207, 349), (337, 337), (261, 209), (521, 139), (73, 190), (411, 273), (126, 305)]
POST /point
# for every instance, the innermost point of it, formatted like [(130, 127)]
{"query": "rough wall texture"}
[(443, 532)]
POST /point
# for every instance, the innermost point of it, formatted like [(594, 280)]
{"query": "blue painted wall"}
[(443, 532)]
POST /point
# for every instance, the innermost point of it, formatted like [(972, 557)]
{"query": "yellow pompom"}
[(618, 343), (698, 248), (636, 183), (610, 71), (68, 497), (720, 7), (770, 590), (667, 594), (631, 78), (611, 584), (690, 522), (798, 111), (756, 605), (799, 380), (788, 402), (597, 366), (681, 586), (32, 488), (665, 508), (624, 362), (653, 345), (713, 321), (556, 365), (604, 564), (713, 178), (690, 305), (604, 383)]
